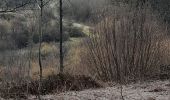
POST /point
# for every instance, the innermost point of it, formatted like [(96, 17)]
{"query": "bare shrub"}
[(125, 45)]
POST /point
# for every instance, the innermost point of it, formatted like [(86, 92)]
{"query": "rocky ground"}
[(153, 90)]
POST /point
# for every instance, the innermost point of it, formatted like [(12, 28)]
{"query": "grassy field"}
[(50, 57)]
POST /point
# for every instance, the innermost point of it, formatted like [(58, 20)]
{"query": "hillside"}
[(84, 50)]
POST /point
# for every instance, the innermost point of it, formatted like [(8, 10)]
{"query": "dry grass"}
[(73, 59), (50, 59), (47, 71)]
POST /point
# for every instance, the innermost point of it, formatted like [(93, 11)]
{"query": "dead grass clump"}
[(52, 84)]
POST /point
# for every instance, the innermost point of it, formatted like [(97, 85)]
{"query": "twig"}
[(17, 7), (121, 92)]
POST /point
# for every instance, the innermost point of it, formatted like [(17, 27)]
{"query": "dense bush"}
[(76, 32), (52, 34), (82, 10), (20, 33), (50, 37), (6, 41), (160, 6), (6, 45), (21, 39), (16, 31)]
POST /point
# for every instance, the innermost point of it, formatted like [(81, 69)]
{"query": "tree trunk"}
[(61, 38)]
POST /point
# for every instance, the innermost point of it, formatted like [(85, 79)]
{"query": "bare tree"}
[(39, 50), (41, 3)]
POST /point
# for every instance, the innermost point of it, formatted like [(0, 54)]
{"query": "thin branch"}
[(16, 8), (45, 3)]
